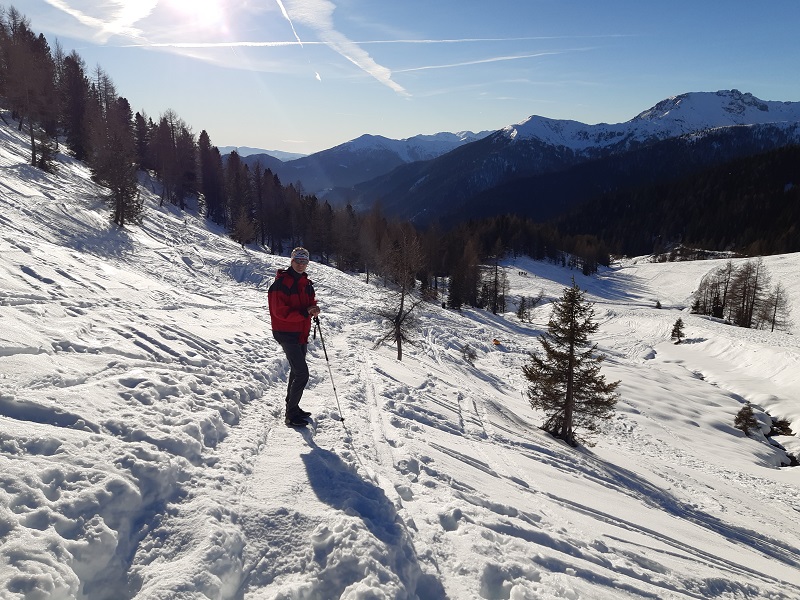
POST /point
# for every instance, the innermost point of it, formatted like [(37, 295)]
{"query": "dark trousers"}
[(298, 375)]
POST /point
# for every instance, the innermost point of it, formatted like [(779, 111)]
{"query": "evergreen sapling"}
[(565, 379)]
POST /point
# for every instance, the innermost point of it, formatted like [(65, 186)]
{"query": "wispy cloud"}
[(477, 62), (118, 17), (221, 44)]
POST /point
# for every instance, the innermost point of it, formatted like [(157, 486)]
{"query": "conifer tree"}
[(496, 282), (565, 379), (746, 419), (75, 98), (523, 313), (677, 331), (526, 306), (345, 239), (775, 311), (113, 162), (27, 82), (244, 230), (212, 179)]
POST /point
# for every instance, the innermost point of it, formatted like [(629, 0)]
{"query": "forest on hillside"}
[(64, 107), (749, 205)]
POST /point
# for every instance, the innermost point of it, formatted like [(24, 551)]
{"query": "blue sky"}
[(306, 75)]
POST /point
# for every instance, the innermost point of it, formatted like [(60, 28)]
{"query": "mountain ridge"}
[(537, 146), (361, 159), (372, 167), (243, 151), (671, 117)]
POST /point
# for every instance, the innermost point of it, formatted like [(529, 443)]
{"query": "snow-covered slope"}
[(673, 117), (143, 454)]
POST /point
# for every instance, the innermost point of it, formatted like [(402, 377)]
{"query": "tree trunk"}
[(569, 401), (33, 143), (774, 312), (398, 333)]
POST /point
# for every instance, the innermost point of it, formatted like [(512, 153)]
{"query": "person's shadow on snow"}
[(338, 484)]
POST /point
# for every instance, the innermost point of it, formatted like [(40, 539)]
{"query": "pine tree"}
[(677, 331), (565, 381), (746, 419), (495, 282), (75, 98), (212, 179)]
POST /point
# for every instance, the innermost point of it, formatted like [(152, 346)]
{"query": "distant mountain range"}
[(541, 167), (360, 160), (247, 151)]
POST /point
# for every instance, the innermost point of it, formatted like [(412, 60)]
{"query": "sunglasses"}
[(301, 261)]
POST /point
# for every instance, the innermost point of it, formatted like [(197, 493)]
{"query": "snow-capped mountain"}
[(673, 117), (418, 147), (740, 124)]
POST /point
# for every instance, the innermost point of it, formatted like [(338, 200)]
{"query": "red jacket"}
[(290, 296)]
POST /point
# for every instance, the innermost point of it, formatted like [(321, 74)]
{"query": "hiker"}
[(292, 305)]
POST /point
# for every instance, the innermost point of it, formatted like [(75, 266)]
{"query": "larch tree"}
[(402, 262), (113, 162), (749, 285), (28, 79), (565, 379), (775, 311)]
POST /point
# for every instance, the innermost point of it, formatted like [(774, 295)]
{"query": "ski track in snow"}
[(143, 453)]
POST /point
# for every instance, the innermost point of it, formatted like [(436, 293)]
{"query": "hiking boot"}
[(295, 422), (303, 413)]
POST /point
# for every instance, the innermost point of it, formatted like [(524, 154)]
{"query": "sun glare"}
[(205, 13)]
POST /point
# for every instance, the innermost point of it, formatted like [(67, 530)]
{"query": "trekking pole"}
[(317, 327)]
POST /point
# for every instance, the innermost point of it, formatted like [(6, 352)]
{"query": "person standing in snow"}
[(292, 305)]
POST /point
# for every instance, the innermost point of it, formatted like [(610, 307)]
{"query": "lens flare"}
[(203, 13)]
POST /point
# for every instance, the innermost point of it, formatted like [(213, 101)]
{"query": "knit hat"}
[(300, 254)]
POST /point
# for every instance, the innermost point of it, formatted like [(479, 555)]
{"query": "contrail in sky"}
[(286, 15), (318, 15), (477, 62), (360, 43), (220, 44)]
